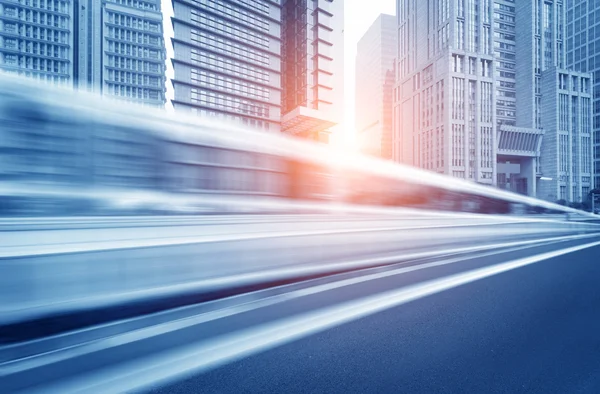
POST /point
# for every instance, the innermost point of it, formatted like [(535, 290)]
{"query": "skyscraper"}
[(267, 64), (120, 49), (583, 54), (36, 39), (472, 93), (375, 78), (113, 47), (227, 60), (312, 39), (444, 112)]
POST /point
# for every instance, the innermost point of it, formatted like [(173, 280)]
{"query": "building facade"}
[(469, 98), (263, 63), (444, 107), (313, 70), (112, 47), (227, 60), (375, 77), (121, 51), (583, 54), (37, 40)]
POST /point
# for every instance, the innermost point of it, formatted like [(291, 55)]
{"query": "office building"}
[(375, 77), (120, 49), (36, 39), (266, 64), (444, 111), (112, 47), (472, 93), (313, 70), (583, 54), (227, 60)]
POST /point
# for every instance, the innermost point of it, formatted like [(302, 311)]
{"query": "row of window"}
[(240, 15), (221, 45), (133, 36), (139, 4), (133, 64), (228, 29), (38, 33), (61, 6), (206, 113), (132, 78), (37, 17), (134, 50), (208, 59), (40, 76), (133, 22), (27, 62), (230, 85), (36, 48), (229, 103), (133, 92), (576, 83)]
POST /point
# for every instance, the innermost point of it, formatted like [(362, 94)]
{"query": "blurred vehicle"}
[(72, 153)]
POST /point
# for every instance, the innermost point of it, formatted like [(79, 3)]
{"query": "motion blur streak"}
[(225, 349), (138, 247), (71, 153)]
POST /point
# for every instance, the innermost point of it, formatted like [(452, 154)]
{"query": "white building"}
[(121, 50), (375, 78), (36, 39), (471, 99), (113, 47)]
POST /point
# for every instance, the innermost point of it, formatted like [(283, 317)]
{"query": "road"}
[(533, 329), (511, 319)]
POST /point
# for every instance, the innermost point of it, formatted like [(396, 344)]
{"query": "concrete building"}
[(583, 54), (36, 39), (469, 98), (444, 107), (227, 60), (120, 49), (313, 69), (375, 77), (113, 47)]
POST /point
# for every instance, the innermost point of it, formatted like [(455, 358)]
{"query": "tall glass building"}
[(468, 101), (583, 54), (227, 60), (36, 39)]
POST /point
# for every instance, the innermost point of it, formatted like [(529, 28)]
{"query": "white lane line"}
[(26, 250), (171, 326), (30, 311), (176, 364)]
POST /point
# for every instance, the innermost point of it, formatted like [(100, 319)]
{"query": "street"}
[(534, 329)]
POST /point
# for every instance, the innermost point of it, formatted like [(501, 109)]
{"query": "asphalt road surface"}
[(535, 329), (512, 319)]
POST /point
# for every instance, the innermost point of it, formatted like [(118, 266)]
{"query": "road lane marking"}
[(245, 279), (83, 247), (182, 323), (177, 364)]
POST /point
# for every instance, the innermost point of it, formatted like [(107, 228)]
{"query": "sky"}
[(359, 15)]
